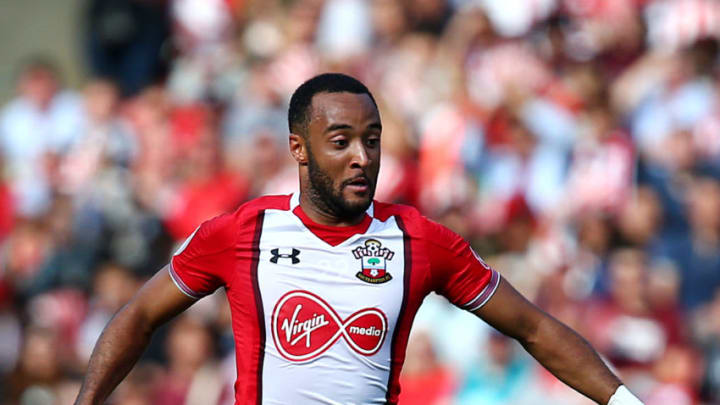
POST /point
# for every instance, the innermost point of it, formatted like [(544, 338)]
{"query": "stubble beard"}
[(326, 198)]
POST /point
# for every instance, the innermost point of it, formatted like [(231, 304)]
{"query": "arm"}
[(558, 348), (128, 334)]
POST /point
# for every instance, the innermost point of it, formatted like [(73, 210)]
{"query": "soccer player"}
[(323, 284)]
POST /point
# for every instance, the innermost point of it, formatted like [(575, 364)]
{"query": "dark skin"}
[(128, 334), (341, 154), (558, 348), (343, 140)]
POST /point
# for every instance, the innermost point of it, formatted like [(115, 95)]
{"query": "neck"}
[(322, 216)]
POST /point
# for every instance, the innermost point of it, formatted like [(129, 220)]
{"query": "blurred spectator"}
[(25, 251), (601, 175), (109, 140), (190, 378), (388, 22), (424, 380), (255, 116), (521, 166), (639, 220), (398, 179), (137, 388), (430, 16), (706, 328), (207, 188), (625, 326), (113, 286), (444, 134), (344, 29), (38, 370), (676, 378), (589, 264), (7, 209), (69, 259), (575, 143), (205, 64), (124, 40), (697, 253), (60, 311), (502, 377), (11, 334), (37, 128)]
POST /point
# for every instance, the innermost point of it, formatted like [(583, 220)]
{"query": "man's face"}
[(39, 86), (343, 148)]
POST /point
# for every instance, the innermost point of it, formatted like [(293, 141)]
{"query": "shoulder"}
[(413, 221), (407, 214), (12, 109), (241, 221), (254, 207)]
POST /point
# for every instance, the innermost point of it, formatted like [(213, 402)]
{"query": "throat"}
[(320, 211)]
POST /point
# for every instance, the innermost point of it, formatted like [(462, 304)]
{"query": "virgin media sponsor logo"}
[(304, 326)]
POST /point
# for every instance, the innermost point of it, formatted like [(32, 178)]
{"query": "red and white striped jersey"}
[(322, 314)]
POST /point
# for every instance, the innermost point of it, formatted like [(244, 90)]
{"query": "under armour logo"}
[(276, 255)]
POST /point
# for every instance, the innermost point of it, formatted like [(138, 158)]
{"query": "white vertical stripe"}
[(328, 272), (294, 200)]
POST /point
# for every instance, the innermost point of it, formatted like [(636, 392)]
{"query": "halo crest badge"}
[(373, 258)]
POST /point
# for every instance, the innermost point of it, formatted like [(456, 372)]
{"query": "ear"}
[(298, 149)]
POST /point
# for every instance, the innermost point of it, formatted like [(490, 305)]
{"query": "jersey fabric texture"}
[(322, 314)]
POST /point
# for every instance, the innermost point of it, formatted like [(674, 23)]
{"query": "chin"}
[(358, 201)]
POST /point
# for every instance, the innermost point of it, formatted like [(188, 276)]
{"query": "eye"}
[(373, 142), (340, 143)]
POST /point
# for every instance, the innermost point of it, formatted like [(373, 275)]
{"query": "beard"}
[(326, 197)]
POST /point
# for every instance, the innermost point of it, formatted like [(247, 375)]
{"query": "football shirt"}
[(322, 314)]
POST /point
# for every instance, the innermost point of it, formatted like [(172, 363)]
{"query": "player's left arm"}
[(460, 275), (557, 347)]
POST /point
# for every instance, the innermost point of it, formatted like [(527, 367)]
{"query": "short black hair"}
[(301, 100)]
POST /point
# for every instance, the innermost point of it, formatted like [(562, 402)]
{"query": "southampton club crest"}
[(373, 257)]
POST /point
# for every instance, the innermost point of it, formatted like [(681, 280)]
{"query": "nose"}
[(360, 157)]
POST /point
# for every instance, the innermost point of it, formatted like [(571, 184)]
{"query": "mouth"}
[(360, 184)]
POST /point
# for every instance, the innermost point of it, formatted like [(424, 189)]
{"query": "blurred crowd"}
[(575, 143)]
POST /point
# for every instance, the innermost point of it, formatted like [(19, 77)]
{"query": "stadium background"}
[(575, 143)]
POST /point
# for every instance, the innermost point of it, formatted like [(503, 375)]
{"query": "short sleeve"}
[(458, 273), (203, 262)]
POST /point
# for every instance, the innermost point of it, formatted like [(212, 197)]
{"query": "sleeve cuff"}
[(486, 293), (181, 284)]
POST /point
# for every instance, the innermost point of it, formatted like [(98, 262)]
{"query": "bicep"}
[(511, 313), (159, 299)]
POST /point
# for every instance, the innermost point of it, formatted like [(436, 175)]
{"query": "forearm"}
[(127, 335), (118, 349), (571, 359), (557, 347)]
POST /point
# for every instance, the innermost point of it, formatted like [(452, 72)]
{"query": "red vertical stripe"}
[(258, 302), (401, 332), (415, 288)]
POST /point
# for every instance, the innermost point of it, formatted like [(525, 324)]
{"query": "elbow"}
[(530, 334), (133, 317)]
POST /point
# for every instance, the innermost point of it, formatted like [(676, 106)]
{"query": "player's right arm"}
[(128, 334)]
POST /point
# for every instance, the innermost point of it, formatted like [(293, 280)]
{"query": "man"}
[(323, 285), (37, 128)]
